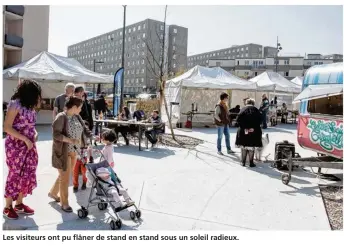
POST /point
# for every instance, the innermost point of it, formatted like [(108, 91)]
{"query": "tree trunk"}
[(169, 114)]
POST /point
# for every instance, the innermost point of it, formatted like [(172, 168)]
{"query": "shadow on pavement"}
[(155, 153)]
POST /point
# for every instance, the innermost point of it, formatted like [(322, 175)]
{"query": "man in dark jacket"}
[(158, 127), (221, 118), (264, 108), (86, 110)]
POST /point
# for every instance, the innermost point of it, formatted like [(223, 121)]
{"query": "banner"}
[(117, 91)]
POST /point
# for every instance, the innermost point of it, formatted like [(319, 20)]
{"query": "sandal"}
[(56, 198), (67, 209)]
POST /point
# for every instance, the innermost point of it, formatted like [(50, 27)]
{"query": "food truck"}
[(320, 122)]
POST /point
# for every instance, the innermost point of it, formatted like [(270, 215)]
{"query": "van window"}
[(332, 105)]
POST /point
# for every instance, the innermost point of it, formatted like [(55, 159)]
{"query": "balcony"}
[(13, 42), (14, 12), (258, 67)]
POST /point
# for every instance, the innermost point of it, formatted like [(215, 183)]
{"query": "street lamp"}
[(123, 45), (279, 48), (94, 70)]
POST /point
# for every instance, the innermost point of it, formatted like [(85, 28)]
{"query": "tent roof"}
[(50, 67), (272, 81), (325, 73), (298, 80), (214, 78)]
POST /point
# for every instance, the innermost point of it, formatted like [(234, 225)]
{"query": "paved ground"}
[(189, 190)]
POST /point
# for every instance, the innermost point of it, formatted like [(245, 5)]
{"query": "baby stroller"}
[(99, 196)]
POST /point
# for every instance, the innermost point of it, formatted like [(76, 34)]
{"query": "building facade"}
[(233, 52), (143, 53), (287, 66), (26, 32)]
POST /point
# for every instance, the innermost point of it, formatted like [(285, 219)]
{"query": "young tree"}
[(158, 64)]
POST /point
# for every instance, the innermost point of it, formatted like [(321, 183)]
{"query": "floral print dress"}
[(21, 163)]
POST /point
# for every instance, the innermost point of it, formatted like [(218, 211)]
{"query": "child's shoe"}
[(83, 187)]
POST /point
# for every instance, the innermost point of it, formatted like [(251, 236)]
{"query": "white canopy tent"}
[(298, 80), (52, 72), (200, 86), (274, 82)]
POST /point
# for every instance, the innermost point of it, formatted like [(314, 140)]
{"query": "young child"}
[(80, 165), (108, 174)]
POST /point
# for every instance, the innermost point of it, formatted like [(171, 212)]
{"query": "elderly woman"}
[(249, 134)]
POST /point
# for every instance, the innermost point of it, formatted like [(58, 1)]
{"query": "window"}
[(242, 49), (175, 30), (246, 55), (144, 26), (276, 62), (137, 80), (133, 72), (247, 62), (120, 33), (286, 62), (161, 36), (238, 62), (218, 64), (286, 74), (161, 27), (144, 35), (174, 48), (142, 80), (129, 39), (143, 61), (129, 30), (134, 29), (246, 73), (128, 63), (128, 72), (174, 65), (142, 71), (255, 73), (332, 105), (139, 28), (174, 40), (246, 48)]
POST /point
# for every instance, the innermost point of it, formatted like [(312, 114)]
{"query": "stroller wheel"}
[(138, 214), (112, 225), (102, 206), (119, 224), (82, 213), (132, 215)]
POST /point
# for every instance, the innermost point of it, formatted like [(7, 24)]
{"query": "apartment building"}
[(287, 66), (233, 52), (26, 31), (143, 53)]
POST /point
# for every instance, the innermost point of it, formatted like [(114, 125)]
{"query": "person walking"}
[(86, 109), (249, 134), (20, 147), (264, 108), (221, 118), (69, 132), (60, 100)]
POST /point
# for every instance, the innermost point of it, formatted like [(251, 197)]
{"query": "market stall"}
[(197, 91), (52, 72)]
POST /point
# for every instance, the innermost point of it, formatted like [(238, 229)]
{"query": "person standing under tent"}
[(264, 108), (59, 103)]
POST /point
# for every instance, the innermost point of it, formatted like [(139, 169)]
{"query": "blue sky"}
[(301, 29)]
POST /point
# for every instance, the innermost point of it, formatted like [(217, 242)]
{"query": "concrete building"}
[(26, 30), (233, 52), (287, 66), (269, 51), (143, 53)]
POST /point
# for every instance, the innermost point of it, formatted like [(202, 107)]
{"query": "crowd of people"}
[(250, 121), (72, 132)]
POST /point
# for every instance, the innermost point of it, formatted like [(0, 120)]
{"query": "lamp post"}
[(278, 47), (94, 70), (123, 46)]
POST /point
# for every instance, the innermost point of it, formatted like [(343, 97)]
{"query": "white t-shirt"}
[(108, 154)]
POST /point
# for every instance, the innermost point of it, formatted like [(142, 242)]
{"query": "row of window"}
[(136, 80), (222, 53), (138, 71)]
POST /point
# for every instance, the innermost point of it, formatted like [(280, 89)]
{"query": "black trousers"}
[(124, 132), (244, 154), (151, 135)]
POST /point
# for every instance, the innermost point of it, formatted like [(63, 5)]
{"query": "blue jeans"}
[(220, 131), (264, 117)]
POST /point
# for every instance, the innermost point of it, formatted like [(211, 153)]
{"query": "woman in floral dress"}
[(20, 147)]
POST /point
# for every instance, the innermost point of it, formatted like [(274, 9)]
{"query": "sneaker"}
[(75, 189), (252, 165), (10, 213), (230, 151), (83, 187), (23, 209), (220, 153)]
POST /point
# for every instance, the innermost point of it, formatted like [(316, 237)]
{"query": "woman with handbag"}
[(69, 132), (20, 147)]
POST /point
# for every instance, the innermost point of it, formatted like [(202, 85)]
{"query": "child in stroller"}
[(102, 179)]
